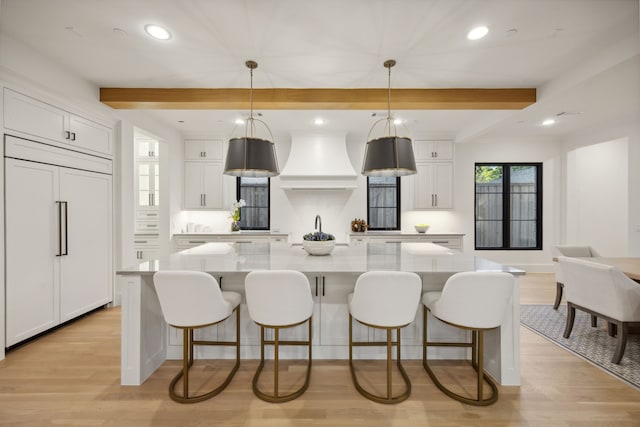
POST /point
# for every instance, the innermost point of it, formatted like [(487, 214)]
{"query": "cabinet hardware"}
[(220, 282), (73, 136), (139, 241), (66, 228), (444, 242), (436, 197), (59, 203), (322, 285), (393, 241), (205, 154), (316, 285), (432, 200), (432, 154), (197, 241), (205, 200), (150, 154), (67, 134)]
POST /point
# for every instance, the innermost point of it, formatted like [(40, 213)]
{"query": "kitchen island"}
[(147, 341)]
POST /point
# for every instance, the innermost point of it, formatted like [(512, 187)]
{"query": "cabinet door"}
[(147, 185), (196, 149), (86, 270), (434, 185), (443, 185), (30, 116), (433, 150), (193, 185), (89, 135), (147, 149), (32, 243), (212, 185), (423, 186)]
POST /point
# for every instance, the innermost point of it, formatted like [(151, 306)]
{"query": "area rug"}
[(592, 344)]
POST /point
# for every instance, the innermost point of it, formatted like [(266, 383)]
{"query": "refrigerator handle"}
[(59, 203), (66, 229)]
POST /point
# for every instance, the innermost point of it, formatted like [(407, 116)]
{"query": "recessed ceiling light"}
[(397, 121), (548, 122), (157, 32), (477, 33), (319, 121), (239, 121)]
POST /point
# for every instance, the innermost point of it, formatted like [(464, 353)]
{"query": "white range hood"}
[(318, 161)]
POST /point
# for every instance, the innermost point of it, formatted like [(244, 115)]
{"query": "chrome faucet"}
[(318, 220)]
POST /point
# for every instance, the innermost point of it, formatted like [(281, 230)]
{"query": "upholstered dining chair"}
[(279, 299), (603, 291), (192, 300), (386, 300), (570, 251), (476, 301)]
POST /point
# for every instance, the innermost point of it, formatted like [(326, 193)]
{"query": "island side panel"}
[(143, 339)]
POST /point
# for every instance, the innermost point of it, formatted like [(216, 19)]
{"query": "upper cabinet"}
[(203, 149), (434, 178), (147, 149), (433, 150), (203, 174), (32, 117)]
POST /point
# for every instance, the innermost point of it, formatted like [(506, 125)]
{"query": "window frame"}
[(398, 208), (238, 188), (506, 206)]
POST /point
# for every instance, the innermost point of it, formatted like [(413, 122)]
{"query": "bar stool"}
[(476, 301), (279, 299), (191, 300), (385, 300)]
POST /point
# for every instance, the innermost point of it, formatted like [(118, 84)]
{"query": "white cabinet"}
[(433, 150), (147, 186), (203, 149), (58, 238), (147, 149), (31, 117), (434, 185), (203, 185), (451, 241), (147, 247)]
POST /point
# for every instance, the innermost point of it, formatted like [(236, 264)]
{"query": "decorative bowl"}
[(318, 247), (421, 228)]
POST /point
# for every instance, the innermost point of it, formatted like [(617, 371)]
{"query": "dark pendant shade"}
[(251, 157), (389, 156)]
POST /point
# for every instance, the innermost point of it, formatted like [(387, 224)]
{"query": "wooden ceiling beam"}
[(318, 99)]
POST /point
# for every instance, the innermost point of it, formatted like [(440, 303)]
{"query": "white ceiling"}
[(582, 55)]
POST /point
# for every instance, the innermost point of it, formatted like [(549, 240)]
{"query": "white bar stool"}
[(279, 299), (385, 300), (191, 300), (476, 301)]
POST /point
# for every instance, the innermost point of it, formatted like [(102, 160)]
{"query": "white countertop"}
[(257, 233), (245, 257)]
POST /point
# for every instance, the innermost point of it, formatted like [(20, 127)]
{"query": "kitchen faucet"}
[(318, 220)]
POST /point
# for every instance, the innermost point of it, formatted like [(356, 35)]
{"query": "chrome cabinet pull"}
[(316, 285), (67, 135), (66, 228), (322, 285), (205, 200), (436, 196), (73, 136)]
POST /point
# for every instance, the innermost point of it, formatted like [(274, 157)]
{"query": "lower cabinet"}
[(451, 241), (147, 247)]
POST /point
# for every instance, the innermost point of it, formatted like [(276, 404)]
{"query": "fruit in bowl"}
[(318, 243), (421, 228)]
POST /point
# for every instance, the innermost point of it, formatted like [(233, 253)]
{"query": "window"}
[(254, 191), (508, 205), (383, 203)]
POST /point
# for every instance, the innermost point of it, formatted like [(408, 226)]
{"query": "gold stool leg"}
[(188, 343), (477, 354)]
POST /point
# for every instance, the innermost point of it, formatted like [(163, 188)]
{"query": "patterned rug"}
[(592, 344)]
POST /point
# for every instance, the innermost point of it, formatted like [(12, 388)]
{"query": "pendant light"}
[(389, 155), (249, 156)]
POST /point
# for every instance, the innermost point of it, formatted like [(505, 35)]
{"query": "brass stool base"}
[(187, 361), (476, 345), (389, 398), (276, 397)]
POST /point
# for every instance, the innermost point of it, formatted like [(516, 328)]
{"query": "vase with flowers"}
[(235, 214)]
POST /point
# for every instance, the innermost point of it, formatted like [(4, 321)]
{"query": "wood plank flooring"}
[(71, 378)]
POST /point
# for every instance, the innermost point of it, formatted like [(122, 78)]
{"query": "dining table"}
[(628, 265)]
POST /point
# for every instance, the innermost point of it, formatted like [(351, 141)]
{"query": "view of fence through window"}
[(508, 206), (254, 191), (383, 201)]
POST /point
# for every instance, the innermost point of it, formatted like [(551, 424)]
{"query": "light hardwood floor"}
[(71, 377)]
